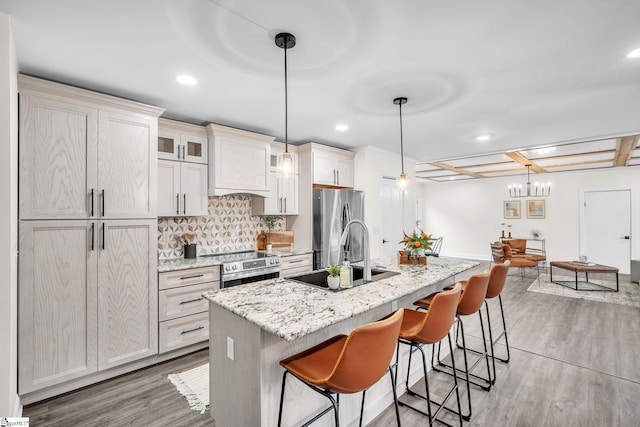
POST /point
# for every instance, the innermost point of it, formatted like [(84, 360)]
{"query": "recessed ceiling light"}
[(482, 138), (634, 54), (342, 127), (187, 80)]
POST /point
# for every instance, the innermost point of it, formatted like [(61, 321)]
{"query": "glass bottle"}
[(346, 275)]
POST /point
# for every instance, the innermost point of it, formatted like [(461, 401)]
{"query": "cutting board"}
[(281, 239)]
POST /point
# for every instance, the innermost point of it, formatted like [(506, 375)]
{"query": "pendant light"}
[(285, 160), (403, 181)]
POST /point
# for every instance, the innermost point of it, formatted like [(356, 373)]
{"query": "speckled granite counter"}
[(252, 327), (185, 263), (291, 309)]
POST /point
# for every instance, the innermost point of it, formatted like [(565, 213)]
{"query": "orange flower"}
[(406, 239), (425, 236), (416, 244)]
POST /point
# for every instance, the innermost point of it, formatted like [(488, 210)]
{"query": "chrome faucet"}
[(365, 247)]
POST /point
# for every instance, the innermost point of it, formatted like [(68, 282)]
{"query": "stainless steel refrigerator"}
[(332, 210)]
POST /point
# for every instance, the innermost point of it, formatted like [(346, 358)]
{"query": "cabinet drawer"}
[(295, 271), (179, 302), (296, 261), (192, 276), (183, 331)]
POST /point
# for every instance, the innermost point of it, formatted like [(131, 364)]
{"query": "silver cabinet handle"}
[(191, 330), (296, 261), (191, 300)]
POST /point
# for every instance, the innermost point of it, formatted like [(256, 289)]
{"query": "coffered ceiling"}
[(528, 73), (595, 154)]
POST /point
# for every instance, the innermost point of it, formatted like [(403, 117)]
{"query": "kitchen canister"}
[(190, 250)]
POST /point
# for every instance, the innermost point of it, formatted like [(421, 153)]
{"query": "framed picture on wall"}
[(536, 209), (511, 209)]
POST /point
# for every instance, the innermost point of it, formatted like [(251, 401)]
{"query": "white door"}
[(391, 216), (606, 228)]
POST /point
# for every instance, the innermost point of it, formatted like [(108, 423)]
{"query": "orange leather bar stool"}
[(420, 328), (347, 364), (470, 303), (497, 280)]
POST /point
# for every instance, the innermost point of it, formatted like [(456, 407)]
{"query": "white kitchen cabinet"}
[(182, 189), (84, 155), (88, 235), (183, 312), (239, 161), (182, 141), (291, 265), (87, 300), (331, 166), (127, 292), (283, 199)]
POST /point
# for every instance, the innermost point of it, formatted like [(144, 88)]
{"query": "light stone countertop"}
[(185, 263), (290, 309)]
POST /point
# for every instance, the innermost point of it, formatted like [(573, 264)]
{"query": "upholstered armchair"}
[(502, 252)]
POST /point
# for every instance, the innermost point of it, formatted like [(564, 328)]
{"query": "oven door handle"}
[(248, 274)]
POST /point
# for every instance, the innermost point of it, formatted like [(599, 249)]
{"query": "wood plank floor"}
[(573, 363)]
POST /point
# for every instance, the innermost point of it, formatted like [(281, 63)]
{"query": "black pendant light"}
[(285, 160), (403, 181)]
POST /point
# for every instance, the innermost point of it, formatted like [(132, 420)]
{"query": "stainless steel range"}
[(246, 267)]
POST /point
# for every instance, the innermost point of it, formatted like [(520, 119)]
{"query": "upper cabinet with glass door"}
[(181, 141)]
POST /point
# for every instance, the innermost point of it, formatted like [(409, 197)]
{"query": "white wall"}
[(468, 213), (8, 220), (371, 164)]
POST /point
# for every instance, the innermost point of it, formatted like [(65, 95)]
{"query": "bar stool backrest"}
[(440, 317), (366, 355), (497, 279), (474, 294)]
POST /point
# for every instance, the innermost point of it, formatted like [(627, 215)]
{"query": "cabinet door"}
[(288, 189), (324, 171), (57, 159), (169, 188), (127, 165), (344, 171), (194, 148), (169, 145), (127, 292), (193, 184), (57, 288)]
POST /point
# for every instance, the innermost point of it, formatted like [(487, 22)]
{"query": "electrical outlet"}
[(394, 305), (230, 350)]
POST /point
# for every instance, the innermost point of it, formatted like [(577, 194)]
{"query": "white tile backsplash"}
[(229, 227)]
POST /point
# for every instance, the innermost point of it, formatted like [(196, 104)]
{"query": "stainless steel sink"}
[(319, 278)]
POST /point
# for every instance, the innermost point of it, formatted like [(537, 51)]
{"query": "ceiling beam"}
[(516, 156), (626, 145), (455, 169)]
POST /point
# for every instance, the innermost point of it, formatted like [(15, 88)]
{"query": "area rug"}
[(194, 386), (629, 293)]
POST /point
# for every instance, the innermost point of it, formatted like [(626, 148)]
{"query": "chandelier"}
[(536, 190)]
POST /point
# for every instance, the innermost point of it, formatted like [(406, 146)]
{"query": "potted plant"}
[(333, 280), (270, 221)]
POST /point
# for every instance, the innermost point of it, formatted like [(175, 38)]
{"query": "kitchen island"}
[(254, 326)]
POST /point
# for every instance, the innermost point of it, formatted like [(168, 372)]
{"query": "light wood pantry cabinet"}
[(84, 155), (182, 141), (87, 298), (182, 180), (239, 161), (87, 283), (183, 311), (332, 167)]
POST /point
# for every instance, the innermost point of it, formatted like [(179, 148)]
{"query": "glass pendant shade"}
[(403, 181), (285, 164)]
